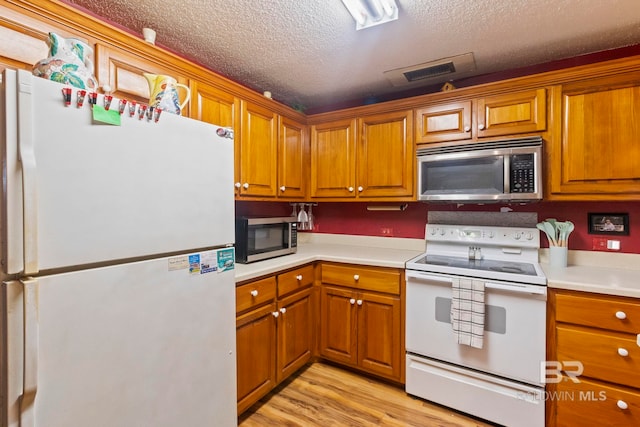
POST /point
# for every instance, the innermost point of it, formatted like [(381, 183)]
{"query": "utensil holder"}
[(558, 256)]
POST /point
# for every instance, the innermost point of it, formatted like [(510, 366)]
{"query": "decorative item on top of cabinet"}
[(375, 163), (361, 318), (593, 154), (601, 333), (495, 115)]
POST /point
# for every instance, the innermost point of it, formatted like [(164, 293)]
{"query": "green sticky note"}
[(108, 117)]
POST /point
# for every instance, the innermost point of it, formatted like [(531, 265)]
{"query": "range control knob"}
[(491, 234), (432, 231), (442, 231), (529, 236), (517, 235)]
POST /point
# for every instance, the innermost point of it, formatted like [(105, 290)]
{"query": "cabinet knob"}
[(356, 277), (254, 293), (283, 310), (621, 315), (283, 188), (622, 404), (245, 185), (350, 189), (275, 314), (299, 277), (361, 189), (352, 301), (467, 128), (359, 302), (480, 126), (623, 352), (238, 185)]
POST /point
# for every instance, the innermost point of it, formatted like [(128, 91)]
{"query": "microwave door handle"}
[(507, 173)]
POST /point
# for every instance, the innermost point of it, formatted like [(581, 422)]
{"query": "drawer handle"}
[(356, 277), (359, 302), (623, 352), (275, 314), (299, 277), (254, 293), (622, 404), (352, 301), (621, 315), (283, 310)]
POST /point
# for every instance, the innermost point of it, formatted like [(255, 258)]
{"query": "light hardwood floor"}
[(324, 395)]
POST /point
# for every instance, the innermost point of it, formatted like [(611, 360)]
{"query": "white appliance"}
[(118, 293), (499, 380)]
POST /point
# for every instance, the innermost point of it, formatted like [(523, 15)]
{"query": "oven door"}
[(515, 326)]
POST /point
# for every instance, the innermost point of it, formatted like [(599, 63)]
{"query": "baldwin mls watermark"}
[(554, 372)]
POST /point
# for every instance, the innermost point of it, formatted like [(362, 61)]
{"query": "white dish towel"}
[(467, 311)]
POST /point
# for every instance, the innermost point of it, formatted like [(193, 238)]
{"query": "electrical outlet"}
[(604, 244), (386, 231)]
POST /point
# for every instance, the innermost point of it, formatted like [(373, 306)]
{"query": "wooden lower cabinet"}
[(362, 328), (601, 333), (274, 336)]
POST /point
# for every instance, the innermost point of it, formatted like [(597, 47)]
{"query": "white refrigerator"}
[(118, 296)]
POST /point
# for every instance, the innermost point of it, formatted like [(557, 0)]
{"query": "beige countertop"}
[(364, 250), (599, 272)]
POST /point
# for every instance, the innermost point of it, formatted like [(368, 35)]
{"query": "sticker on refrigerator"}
[(194, 264), (226, 259), (178, 263), (208, 262)]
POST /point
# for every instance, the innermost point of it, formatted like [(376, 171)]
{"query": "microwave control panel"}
[(522, 173)]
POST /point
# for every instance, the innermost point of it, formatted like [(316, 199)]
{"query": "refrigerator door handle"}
[(29, 173), (31, 346)]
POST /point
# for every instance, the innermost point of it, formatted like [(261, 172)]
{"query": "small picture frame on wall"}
[(609, 223)]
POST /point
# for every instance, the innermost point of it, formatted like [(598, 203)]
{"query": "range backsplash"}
[(354, 218)]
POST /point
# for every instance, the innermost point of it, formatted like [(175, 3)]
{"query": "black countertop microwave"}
[(497, 171), (262, 238)]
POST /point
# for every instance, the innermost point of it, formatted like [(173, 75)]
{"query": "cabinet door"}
[(597, 155), (294, 333), (379, 334), (212, 105), (21, 49), (333, 159), (123, 72), (255, 352), (386, 156), (293, 163), (258, 150), (512, 113), (443, 122), (338, 334)]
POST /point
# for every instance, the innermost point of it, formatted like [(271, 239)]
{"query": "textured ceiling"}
[(308, 53)]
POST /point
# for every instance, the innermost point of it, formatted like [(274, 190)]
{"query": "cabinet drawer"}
[(293, 280), (590, 403), (599, 312), (254, 294), (368, 278), (602, 354)]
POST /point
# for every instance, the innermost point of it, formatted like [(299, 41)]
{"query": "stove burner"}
[(511, 267)]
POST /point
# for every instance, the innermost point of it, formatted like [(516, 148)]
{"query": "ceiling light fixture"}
[(368, 13)]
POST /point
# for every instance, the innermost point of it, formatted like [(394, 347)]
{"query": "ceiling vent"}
[(438, 71)]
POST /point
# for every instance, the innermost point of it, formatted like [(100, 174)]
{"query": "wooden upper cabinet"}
[(293, 159), (333, 154), (489, 116), (212, 105), (123, 70), (257, 151), (596, 154), (512, 113), (443, 122), (21, 50), (385, 156)]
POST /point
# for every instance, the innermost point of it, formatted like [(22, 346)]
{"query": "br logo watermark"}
[(551, 371)]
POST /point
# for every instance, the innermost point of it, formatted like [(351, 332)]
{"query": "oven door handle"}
[(429, 277), (521, 289)]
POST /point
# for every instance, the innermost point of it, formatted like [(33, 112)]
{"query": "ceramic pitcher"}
[(163, 93), (70, 61)]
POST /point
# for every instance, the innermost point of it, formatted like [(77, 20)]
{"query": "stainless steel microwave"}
[(507, 171), (262, 238)]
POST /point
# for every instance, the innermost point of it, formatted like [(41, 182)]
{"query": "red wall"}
[(353, 218)]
